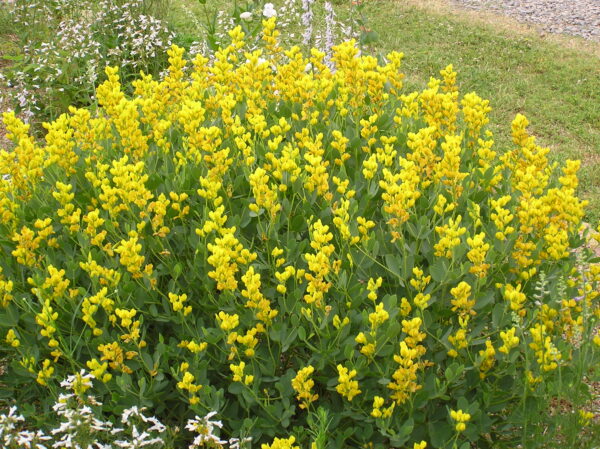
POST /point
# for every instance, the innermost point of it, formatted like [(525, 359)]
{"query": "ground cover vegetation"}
[(65, 45), (282, 247)]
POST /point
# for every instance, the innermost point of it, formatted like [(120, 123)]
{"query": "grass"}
[(554, 81)]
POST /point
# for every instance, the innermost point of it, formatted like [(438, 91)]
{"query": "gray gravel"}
[(575, 17)]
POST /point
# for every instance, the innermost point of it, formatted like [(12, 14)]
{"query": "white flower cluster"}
[(89, 35), (80, 428), (269, 10), (320, 26)]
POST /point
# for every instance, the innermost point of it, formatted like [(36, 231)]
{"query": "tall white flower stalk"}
[(330, 24), (307, 22)]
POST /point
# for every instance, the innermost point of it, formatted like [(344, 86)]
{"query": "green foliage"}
[(308, 253)]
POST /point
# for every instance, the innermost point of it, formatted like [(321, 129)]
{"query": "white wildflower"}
[(8, 424), (246, 15), (269, 10), (139, 440), (307, 22), (32, 440), (205, 429), (237, 443)]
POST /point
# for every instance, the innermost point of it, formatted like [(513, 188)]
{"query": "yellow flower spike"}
[(401, 192), (238, 373), (347, 387), (227, 322), (303, 384), (460, 418), (509, 339), (319, 264), (372, 286), (281, 443), (177, 302), (6, 287), (449, 237), (270, 36), (378, 402), (585, 417), (548, 356), (515, 297), (342, 220), (45, 373), (11, 338), (99, 370), (461, 302), (378, 317), (488, 359), (477, 254), (475, 111), (265, 195), (56, 282)]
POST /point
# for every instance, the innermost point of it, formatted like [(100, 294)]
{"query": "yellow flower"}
[(11, 338), (585, 417), (45, 373), (460, 301), (405, 377), (227, 322), (460, 418), (372, 286), (99, 370), (303, 384), (129, 252), (378, 317), (255, 299), (347, 387), (487, 358), (548, 356), (378, 402), (177, 302), (477, 253), (449, 237), (515, 297), (509, 339), (281, 443), (265, 195), (459, 341), (238, 373)]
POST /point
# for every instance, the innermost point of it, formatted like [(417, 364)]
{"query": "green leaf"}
[(440, 433), (438, 270), (235, 387), (453, 372), (393, 264), (497, 315), (369, 37)]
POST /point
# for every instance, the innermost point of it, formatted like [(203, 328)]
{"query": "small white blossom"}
[(205, 429), (269, 10), (236, 443), (246, 15)]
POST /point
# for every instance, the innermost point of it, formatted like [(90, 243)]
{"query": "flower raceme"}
[(261, 235)]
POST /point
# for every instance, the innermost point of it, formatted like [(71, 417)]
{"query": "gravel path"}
[(575, 17)]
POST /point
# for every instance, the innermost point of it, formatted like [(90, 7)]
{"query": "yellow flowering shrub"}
[(263, 237)]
